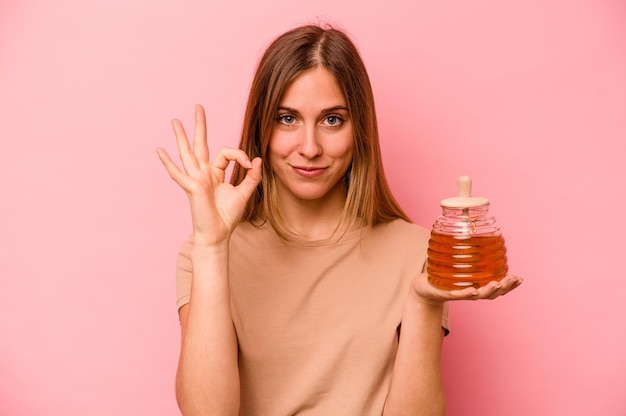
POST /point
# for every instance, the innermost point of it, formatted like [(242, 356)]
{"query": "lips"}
[(308, 171)]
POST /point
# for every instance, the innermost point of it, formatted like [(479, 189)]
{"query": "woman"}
[(301, 288)]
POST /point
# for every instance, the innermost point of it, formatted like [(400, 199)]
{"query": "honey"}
[(466, 248), (460, 261)]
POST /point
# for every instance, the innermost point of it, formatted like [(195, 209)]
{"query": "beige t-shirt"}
[(317, 323)]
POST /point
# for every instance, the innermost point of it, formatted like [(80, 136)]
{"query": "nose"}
[(309, 145)]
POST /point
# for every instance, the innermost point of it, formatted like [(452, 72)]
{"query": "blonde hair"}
[(369, 200)]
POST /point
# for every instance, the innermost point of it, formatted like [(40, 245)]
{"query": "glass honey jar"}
[(466, 247)]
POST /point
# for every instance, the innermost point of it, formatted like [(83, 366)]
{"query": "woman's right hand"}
[(216, 205)]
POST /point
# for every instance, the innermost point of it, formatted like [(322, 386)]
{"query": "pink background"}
[(527, 96)]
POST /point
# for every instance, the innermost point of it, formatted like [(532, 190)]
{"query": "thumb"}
[(252, 178)]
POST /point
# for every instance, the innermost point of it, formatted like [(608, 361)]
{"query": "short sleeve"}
[(445, 321), (183, 274)]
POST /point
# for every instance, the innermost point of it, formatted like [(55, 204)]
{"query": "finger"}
[(493, 290), (184, 149), (472, 293), (174, 171), (170, 166), (505, 285), (458, 294), (200, 146), (517, 284), (511, 282), (252, 178), (227, 155)]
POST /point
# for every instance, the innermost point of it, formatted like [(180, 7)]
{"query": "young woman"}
[(301, 288)]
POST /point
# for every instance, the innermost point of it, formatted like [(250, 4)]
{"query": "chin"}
[(311, 194)]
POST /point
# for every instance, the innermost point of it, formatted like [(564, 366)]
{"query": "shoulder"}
[(400, 246), (398, 239), (401, 230)]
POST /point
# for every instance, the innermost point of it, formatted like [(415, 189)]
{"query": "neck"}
[(313, 219)]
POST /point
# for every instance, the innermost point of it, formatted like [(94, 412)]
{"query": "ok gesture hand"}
[(216, 206)]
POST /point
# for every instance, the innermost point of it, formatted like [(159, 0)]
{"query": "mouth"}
[(308, 171)]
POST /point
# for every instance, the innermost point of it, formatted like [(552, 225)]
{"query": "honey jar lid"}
[(465, 198)]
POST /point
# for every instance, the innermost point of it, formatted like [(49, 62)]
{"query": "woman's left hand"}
[(430, 294)]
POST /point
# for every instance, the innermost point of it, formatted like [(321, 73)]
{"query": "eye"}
[(333, 120), (286, 119)]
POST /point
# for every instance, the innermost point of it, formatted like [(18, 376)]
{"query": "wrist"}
[(209, 264), (423, 293), (425, 314), (203, 248), (416, 301), (203, 241)]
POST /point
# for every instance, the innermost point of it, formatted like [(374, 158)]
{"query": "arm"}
[(207, 379), (417, 386)]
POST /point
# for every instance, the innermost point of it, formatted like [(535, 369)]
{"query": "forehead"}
[(315, 88)]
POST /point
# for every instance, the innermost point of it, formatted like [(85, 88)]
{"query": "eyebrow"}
[(325, 110)]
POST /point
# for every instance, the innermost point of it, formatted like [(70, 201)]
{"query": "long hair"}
[(369, 200)]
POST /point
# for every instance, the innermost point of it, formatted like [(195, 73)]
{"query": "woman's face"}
[(311, 146)]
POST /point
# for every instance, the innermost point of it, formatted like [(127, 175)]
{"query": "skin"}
[(207, 379), (417, 385), (310, 150)]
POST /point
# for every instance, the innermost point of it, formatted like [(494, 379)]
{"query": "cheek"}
[(277, 153), (341, 148), (279, 145), (344, 145)]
